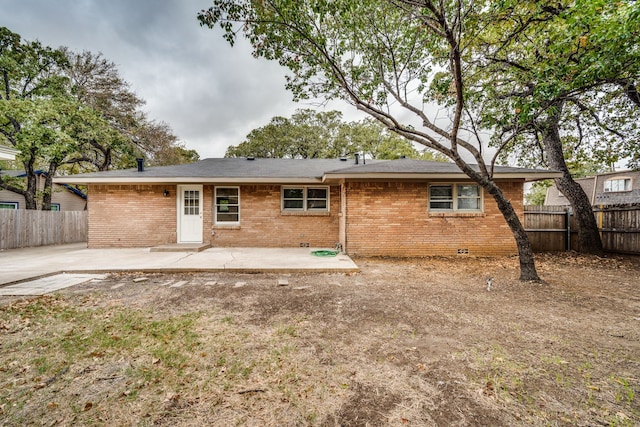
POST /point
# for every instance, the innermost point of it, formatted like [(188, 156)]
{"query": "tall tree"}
[(307, 134), (67, 111), (31, 95), (96, 82), (312, 134), (370, 137), (557, 80), (379, 56)]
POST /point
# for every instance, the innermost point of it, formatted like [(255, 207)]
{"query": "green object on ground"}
[(324, 253)]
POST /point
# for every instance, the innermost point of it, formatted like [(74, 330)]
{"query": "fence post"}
[(568, 222), (600, 220)]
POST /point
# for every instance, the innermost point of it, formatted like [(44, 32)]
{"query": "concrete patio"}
[(18, 265)]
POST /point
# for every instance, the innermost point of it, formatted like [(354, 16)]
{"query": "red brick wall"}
[(388, 218), (262, 224), (139, 216), (131, 215), (392, 218)]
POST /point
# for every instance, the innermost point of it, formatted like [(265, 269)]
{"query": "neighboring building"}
[(612, 188), (64, 197), (7, 153), (382, 208)]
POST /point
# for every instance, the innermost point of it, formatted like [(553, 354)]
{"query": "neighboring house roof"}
[(7, 153), (555, 198), (22, 174), (594, 187), (242, 170), (13, 173)]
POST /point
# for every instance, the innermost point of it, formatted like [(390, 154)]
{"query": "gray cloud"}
[(210, 94)]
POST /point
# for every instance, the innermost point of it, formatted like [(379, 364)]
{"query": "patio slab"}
[(45, 285), (18, 265)]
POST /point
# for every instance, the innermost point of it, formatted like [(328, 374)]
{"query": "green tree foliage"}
[(537, 194), (32, 106), (370, 137), (311, 134), (557, 82), (306, 135), (95, 82), (72, 112), (381, 57)]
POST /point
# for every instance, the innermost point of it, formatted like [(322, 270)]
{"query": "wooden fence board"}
[(23, 228), (619, 227)]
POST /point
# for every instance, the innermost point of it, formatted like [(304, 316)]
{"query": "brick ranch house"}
[(382, 208)]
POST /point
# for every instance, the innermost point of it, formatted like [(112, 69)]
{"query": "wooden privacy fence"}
[(22, 228), (553, 228), (619, 227)]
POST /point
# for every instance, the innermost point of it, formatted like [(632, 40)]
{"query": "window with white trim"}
[(55, 207), (617, 184), (8, 205), (455, 198), (227, 205), (305, 198)]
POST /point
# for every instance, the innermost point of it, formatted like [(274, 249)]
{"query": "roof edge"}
[(183, 180), (527, 176)]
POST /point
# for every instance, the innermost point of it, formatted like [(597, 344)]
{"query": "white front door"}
[(190, 214)]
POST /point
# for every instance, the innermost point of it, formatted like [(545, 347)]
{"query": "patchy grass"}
[(405, 342)]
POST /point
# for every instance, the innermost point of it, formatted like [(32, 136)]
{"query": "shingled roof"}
[(246, 170), (405, 167)]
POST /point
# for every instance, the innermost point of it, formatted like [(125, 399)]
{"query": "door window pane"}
[(191, 202)]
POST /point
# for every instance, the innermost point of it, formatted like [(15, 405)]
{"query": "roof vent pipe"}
[(357, 158), (140, 164)]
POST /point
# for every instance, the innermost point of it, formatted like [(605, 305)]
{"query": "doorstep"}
[(181, 247)]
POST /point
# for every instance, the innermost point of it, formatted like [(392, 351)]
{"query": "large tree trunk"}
[(48, 187), (29, 194), (525, 253), (588, 233), (527, 263)]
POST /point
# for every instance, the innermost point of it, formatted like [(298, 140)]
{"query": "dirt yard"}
[(418, 342)]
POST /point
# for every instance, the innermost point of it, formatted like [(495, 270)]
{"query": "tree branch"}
[(595, 117)]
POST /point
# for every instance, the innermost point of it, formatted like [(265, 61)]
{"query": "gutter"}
[(424, 176), (184, 180)]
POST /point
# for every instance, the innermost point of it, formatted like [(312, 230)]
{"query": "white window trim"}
[(618, 178), (215, 207), (57, 205), (455, 197), (16, 205), (304, 198)]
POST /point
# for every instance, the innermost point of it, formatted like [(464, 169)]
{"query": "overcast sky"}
[(210, 94)]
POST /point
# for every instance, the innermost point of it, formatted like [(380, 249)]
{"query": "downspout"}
[(342, 232)]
